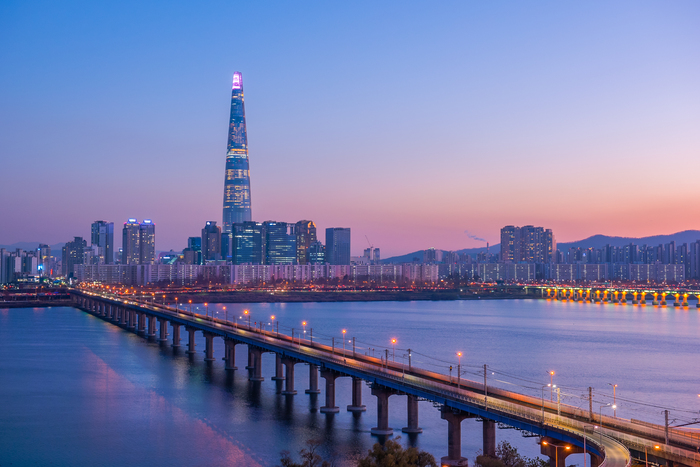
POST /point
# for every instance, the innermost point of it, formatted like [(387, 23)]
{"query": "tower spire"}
[(237, 178)]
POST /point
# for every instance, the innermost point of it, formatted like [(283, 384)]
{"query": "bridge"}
[(563, 429), (620, 295)]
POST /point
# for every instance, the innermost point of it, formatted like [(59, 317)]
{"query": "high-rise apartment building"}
[(338, 245), (237, 179), (306, 235), (102, 236), (211, 242), (131, 242), (72, 254), (44, 256), (147, 242), (247, 243), (527, 244), (280, 243)]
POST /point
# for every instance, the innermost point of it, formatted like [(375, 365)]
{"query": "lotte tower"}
[(237, 180)]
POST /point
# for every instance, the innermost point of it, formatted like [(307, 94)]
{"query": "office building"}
[(280, 243), (338, 245), (211, 242), (237, 179), (527, 244), (316, 253), (102, 236), (306, 235), (247, 243)]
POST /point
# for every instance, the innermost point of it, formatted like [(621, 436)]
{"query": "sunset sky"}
[(410, 122)]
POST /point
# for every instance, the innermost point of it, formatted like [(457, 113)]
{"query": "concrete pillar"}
[(663, 299), (230, 354), (454, 437), (623, 296), (176, 335), (132, 320), (489, 437), (151, 326), (643, 298), (634, 298), (412, 411), (122, 317), (382, 394), (163, 326), (330, 406), (289, 379), (279, 370), (115, 314), (256, 371), (251, 363), (191, 344), (656, 299), (685, 300), (558, 451), (209, 347), (356, 405), (313, 380), (142, 323), (677, 302)]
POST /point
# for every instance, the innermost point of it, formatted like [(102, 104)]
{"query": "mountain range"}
[(595, 241)]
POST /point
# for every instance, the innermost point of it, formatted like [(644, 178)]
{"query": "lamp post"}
[(646, 454), (247, 313), (614, 386), (544, 386), (226, 314), (459, 369), (551, 386), (600, 415), (190, 306), (206, 309), (393, 351), (303, 324), (556, 450), (177, 308), (344, 331)]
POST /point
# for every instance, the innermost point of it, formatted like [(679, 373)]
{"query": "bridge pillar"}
[(489, 427), (122, 317), (251, 363), (685, 300), (677, 301), (412, 410), (191, 344), (697, 305), (330, 377), (656, 299), (382, 394), (279, 370), (256, 357), (209, 347), (634, 299), (132, 320), (454, 437), (643, 298), (356, 405), (142, 323), (176, 335), (115, 314), (623, 297), (230, 354), (313, 380), (289, 380), (163, 326), (151, 326), (663, 299)]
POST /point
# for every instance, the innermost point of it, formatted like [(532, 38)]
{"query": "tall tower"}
[(237, 180)]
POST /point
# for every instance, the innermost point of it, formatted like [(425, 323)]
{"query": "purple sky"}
[(408, 122)]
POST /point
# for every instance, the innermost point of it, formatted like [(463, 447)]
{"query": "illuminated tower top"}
[(237, 179)]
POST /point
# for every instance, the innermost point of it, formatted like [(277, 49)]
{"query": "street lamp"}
[(226, 314), (556, 450), (206, 309), (177, 308), (393, 351), (601, 419), (544, 386), (459, 369), (247, 313), (551, 386), (344, 331), (614, 386), (646, 454), (190, 306)]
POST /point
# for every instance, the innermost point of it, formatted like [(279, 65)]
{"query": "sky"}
[(416, 124)]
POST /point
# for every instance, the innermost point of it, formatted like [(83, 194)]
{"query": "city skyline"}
[(509, 120)]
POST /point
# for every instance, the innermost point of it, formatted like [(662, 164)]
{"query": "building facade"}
[(338, 245)]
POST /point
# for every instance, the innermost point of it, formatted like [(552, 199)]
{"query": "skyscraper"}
[(237, 180), (102, 236), (131, 242), (306, 235), (72, 254), (211, 242), (338, 245), (248, 243), (147, 242), (279, 242)]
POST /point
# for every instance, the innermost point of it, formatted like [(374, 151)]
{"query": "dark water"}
[(75, 390)]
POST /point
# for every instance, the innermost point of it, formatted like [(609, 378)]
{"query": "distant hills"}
[(596, 241)]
